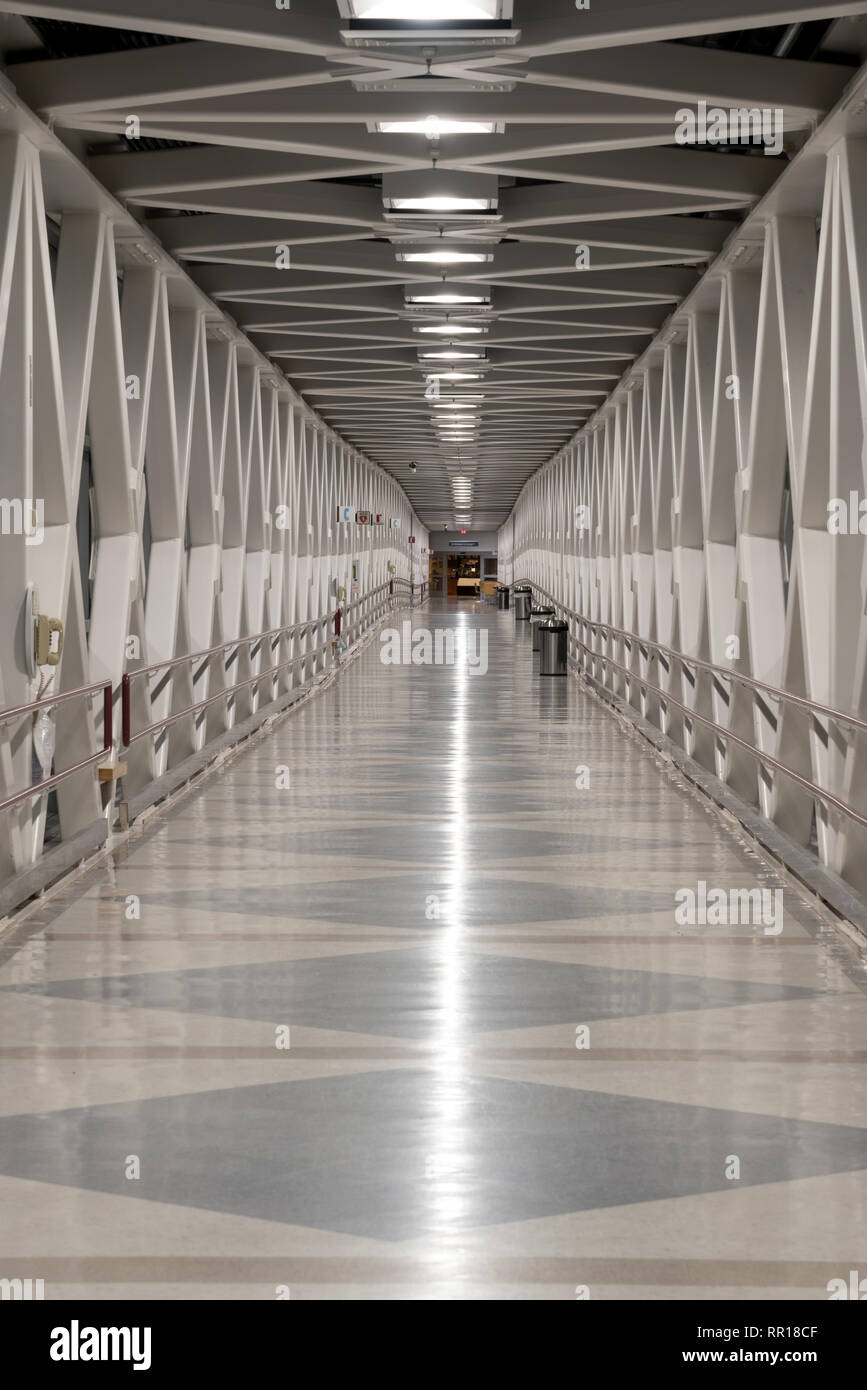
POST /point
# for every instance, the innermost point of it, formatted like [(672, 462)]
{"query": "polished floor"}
[(511, 1073)]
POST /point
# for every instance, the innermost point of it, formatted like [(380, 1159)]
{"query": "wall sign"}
[(360, 518)]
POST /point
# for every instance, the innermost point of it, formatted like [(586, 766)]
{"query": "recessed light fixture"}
[(449, 328), (372, 22), (458, 376), (435, 126), (451, 355), (425, 11), (439, 190), (444, 257), (439, 203), (446, 297)]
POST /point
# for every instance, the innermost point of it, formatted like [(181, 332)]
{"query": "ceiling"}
[(266, 145)]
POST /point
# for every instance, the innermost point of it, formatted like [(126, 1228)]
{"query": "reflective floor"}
[(424, 1023)]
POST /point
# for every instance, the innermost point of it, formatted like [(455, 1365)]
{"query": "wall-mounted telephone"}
[(45, 646)]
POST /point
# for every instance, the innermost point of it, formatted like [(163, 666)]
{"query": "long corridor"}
[(396, 1003)]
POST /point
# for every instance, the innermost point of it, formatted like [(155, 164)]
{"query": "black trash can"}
[(538, 616), (523, 596), (553, 637), (502, 596)]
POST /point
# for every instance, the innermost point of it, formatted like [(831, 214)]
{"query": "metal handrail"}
[(37, 788), (767, 759), (774, 691), (105, 688), (48, 701), (412, 586), (233, 644), (158, 725)]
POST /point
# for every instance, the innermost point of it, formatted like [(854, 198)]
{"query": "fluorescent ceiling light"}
[(435, 126), (446, 297), (439, 190), (450, 328), (436, 203), (444, 257), (425, 11), (457, 376), (452, 355)]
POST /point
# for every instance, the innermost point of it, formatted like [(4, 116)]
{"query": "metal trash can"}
[(553, 636), (523, 599), (522, 606), (538, 616), (502, 596)]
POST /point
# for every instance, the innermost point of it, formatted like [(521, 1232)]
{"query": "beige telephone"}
[(47, 652), (47, 644)]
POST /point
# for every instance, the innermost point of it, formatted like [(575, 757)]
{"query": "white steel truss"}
[(712, 508), (281, 126), (213, 493)]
